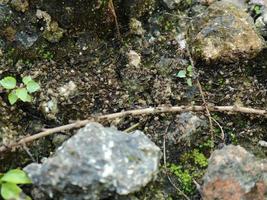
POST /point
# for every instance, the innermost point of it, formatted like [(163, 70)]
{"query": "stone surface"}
[(224, 33), (97, 162), (235, 174), (259, 2), (20, 5), (187, 125), (171, 4)]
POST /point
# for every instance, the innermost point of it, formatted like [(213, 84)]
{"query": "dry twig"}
[(207, 109), (137, 112), (112, 9), (202, 94)]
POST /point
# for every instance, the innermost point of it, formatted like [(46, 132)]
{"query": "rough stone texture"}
[(224, 33), (20, 5), (171, 4), (235, 174), (97, 162), (187, 125), (259, 2)]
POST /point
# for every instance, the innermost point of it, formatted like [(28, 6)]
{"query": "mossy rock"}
[(224, 33)]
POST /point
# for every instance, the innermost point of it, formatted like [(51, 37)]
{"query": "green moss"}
[(45, 54), (199, 158), (192, 166), (185, 178)]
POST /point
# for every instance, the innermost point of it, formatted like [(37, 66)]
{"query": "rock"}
[(50, 108), (26, 39), (224, 33), (261, 25), (187, 126), (68, 89), (136, 27), (171, 4), (96, 163), (53, 33), (134, 58), (261, 22), (20, 5), (241, 4), (259, 2), (206, 2), (235, 174)]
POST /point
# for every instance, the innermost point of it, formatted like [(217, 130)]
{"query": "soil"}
[(106, 83)]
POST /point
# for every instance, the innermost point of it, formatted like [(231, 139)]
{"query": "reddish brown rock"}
[(235, 174)]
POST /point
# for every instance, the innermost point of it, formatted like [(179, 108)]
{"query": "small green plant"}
[(199, 158), (23, 92), (257, 9), (185, 179), (9, 184), (207, 145), (186, 74)]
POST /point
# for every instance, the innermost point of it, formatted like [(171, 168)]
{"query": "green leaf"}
[(189, 82), (16, 176), (10, 191), (181, 74), (22, 94), (12, 97), (8, 82), (28, 198), (26, 79), (189, 68), (29, 98), (32, 86)]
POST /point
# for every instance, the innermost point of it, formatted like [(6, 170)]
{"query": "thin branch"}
[(112, 8), (201, 93), (137, 112), (222, 132), (131, 128), (207, 110)]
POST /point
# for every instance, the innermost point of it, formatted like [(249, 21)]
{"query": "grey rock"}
[(186, 125), (261, 25), (261, 22), (26, 39), (242, 4), (171, 4), (259, 2), (96, 163), (5, 14), (234, 173)]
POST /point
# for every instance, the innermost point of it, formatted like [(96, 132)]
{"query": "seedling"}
[(186, 74), (22, 93), (9, 184), (257, 9)]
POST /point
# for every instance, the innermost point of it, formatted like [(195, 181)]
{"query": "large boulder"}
[(224, 33), (96, 163), (235, 174)]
